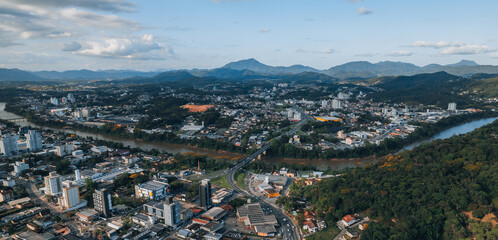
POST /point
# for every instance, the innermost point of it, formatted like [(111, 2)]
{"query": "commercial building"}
[(168, 210), (102, 202), (328, 119), (87, 215), (153, 190), (205, 194), (252, 215), (215, 213), (53, 184), (34, 140)]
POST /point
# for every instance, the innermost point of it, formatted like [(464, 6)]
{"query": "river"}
[(171, 148), (320, 164)]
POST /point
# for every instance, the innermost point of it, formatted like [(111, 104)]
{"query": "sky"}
[(151, 35)]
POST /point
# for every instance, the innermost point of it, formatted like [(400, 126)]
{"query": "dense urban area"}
[(248, 170)]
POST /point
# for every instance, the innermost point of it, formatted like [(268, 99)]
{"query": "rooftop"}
[(153, 185)]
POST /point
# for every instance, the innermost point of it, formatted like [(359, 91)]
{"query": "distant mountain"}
[(255, 66), (463, 63), (88, 74), (17, 75), (227, 73), (366, 69)]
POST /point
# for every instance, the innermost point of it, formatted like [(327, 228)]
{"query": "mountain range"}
[(252, 69)]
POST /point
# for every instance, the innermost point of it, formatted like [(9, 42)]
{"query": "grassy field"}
[(239, 178), (221, 181)]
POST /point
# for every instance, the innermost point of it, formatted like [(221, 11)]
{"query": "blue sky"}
[(175, 34)]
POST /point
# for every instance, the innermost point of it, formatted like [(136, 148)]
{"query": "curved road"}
[(289, 230)]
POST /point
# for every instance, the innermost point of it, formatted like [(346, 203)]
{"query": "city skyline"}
[(152, 35)]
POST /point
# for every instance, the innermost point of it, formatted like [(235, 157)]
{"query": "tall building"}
[(8, 145), (71, 98), (205, 194), (34, 140), (70, 196), (85, 112), (452, 106), (64, 150), (53, 184), (336, 104), (172, 211), (102, 202), (168, 210)]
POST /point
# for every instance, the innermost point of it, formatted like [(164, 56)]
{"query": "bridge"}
[(16, 119)]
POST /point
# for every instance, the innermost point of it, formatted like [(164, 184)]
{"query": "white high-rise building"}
[(34, 140), (452, 106), (324, 103), (70, 196), (53, 184), (8, 145), (336, 104), (172, 212)]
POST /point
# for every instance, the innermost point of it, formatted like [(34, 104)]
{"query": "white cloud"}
[(495, 54), (328, 51), (466, 49), (33, 19), (266, 30), (89, 19), (400, 54), (126, 48), (364, 11), (440, 44)]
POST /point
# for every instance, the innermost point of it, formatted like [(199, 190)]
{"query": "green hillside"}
[(419, 194)]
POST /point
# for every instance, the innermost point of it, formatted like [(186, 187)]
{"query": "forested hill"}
[(420, 194)]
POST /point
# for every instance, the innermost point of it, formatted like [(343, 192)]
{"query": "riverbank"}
[(424, 132), (345, 161)]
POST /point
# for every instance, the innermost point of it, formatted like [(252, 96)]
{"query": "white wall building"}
[(19, 167), (8, 145), (452, 106), (34, 140), (64, 150), (70, 196), (53, 184), (336, 104)]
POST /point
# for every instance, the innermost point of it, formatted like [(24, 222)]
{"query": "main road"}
[(289, 230)]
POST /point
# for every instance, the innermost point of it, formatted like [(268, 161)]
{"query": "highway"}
[(289, 230)]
